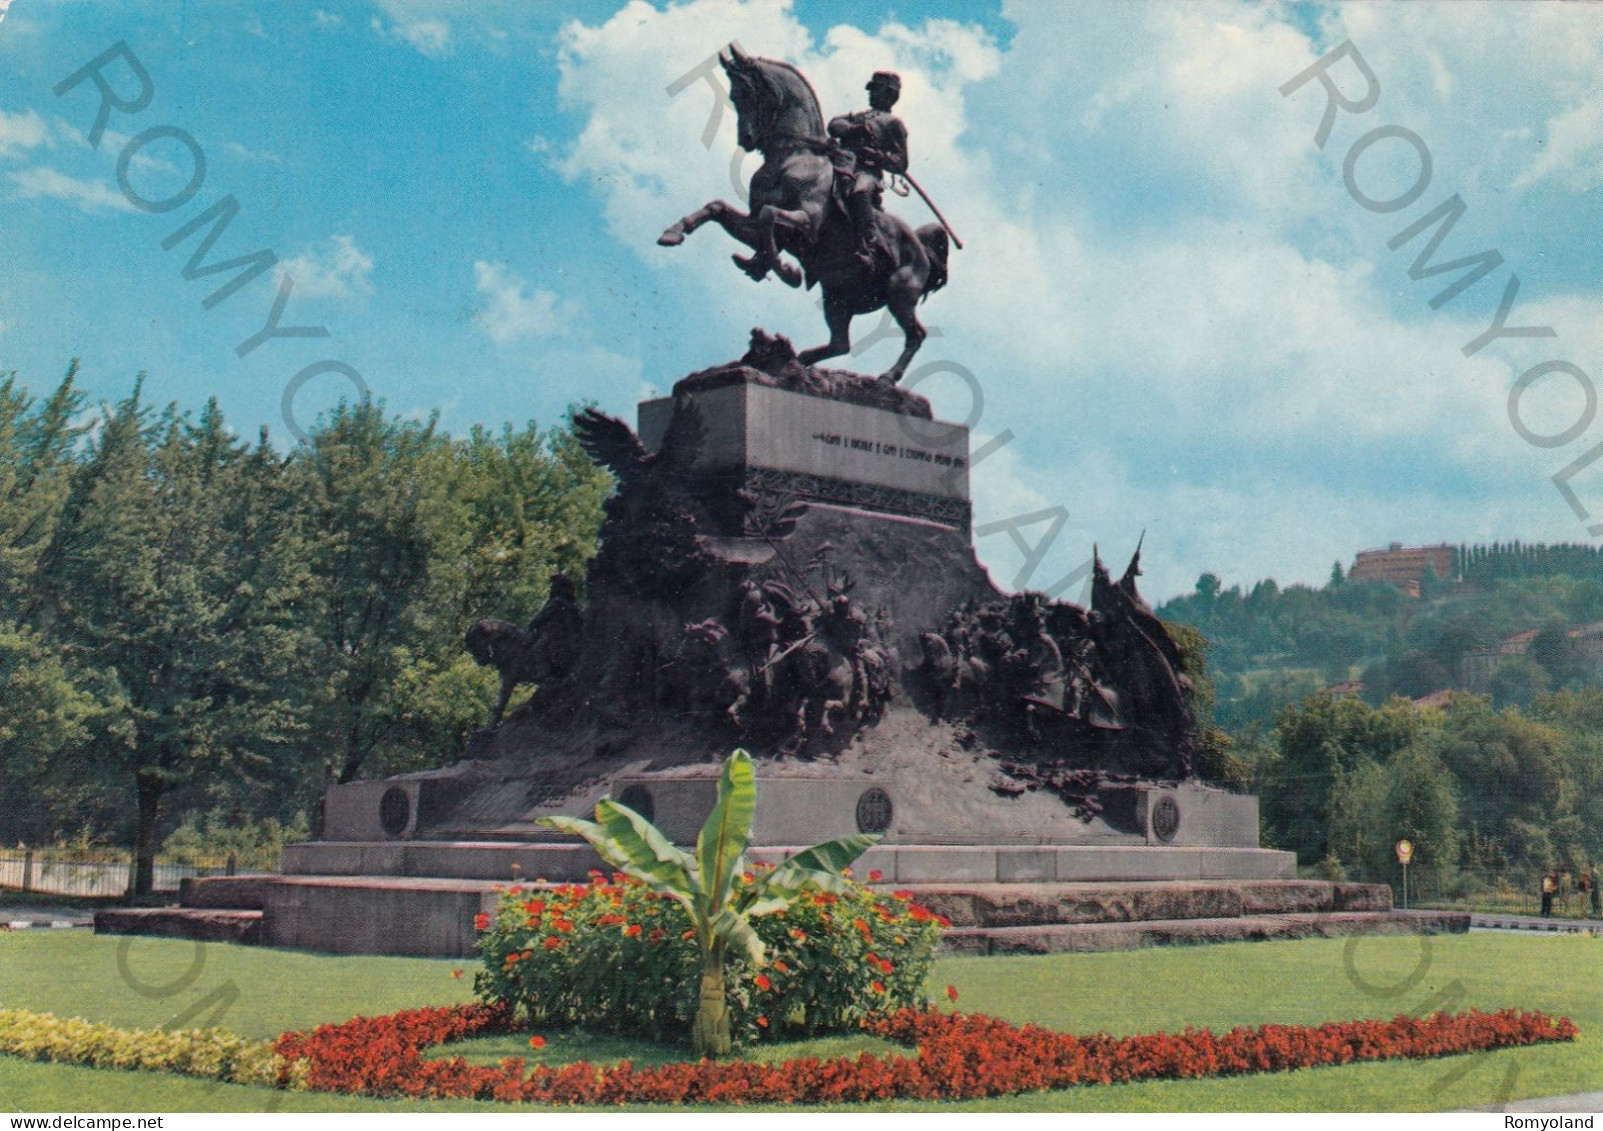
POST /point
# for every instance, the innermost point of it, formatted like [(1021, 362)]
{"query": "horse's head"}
[(772, 100)]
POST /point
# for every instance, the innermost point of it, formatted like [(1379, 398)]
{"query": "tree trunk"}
[(142, 880), (709, 1036)]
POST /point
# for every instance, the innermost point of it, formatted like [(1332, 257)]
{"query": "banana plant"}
[(704, 882)]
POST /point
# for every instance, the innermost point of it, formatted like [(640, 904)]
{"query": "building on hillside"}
[(1479, 666), (1347, 689), (1403, 566), (1435, 699)]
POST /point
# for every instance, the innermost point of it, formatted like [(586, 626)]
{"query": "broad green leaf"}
[(644, 849), (765, 906), (727, 829), (633, 854), (735, 929), (820, 864)]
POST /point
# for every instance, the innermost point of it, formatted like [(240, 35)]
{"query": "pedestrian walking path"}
[(1480, 920), (27, 917)]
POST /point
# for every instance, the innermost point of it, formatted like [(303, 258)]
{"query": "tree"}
[(1420, 806), (172, 575), (1560, 657), (1337, 577), (705, 883), (1320, 740), (1517, 681)]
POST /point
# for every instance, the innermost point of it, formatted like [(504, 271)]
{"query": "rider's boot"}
[(864, 223)]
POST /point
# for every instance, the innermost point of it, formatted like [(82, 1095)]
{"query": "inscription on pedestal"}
[(825, 443)]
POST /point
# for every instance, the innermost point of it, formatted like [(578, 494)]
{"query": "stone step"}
[(899, 863), (1017, 905), (236, 893), (1054, 938), (198, 924)]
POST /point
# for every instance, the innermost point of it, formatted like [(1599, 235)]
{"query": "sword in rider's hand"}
[(925, 197)]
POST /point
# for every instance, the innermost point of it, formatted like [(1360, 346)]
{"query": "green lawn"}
[(148, 982)]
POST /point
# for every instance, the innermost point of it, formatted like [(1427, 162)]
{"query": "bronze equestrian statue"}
[(862, 257)]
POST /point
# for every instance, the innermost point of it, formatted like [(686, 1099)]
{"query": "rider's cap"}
[(887, 79)]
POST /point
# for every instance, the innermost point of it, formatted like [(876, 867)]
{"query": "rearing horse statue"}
[(794, 210)]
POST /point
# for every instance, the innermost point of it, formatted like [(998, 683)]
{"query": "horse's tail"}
[(937, 246)]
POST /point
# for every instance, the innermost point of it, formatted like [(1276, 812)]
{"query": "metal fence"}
[(56, 873), (1509, 893)]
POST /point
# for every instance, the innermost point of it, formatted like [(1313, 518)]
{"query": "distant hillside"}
[(1273, 646)]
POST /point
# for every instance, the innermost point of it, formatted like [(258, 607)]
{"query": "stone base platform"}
[(898, 863), (433, 916), (1060, 938), (235, 925)]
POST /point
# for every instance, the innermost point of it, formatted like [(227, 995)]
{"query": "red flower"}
[(875, 876), (951, 993), (552, 942), (763, 983), (456, 973), (537, 1042), (657, 935), (632, 930), (481, 921), (762, 1022), (878, 986)]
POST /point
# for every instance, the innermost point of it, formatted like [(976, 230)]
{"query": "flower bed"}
[(207, 1053), (614, 956), (956, 1056)]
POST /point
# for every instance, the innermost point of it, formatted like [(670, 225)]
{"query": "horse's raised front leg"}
[(839, 319), (722, 211)]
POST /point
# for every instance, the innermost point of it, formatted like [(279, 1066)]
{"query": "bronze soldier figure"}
[(873, 141)]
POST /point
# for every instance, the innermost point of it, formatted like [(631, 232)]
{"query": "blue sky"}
[(1168, 297)]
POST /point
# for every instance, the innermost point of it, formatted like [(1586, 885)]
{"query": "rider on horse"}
[(870, 142)]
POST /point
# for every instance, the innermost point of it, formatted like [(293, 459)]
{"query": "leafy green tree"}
[(1420, 806), (36, 466), (1517, 681), (172, 577), (1320, 740), (705, 882)]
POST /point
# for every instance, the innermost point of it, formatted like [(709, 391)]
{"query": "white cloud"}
[(22, 132), (336, 268), (1165, 292), (326, 19), (428, 36), (86, 196), (514, 309), (245, 153)]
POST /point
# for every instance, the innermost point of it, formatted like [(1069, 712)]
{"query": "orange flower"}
[(878, 986), (456, 973), (537, 1042), (781, 967), (951, 993), (763, 983), (552, 942), (762, 1022), (690, 934), (632, 930)]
